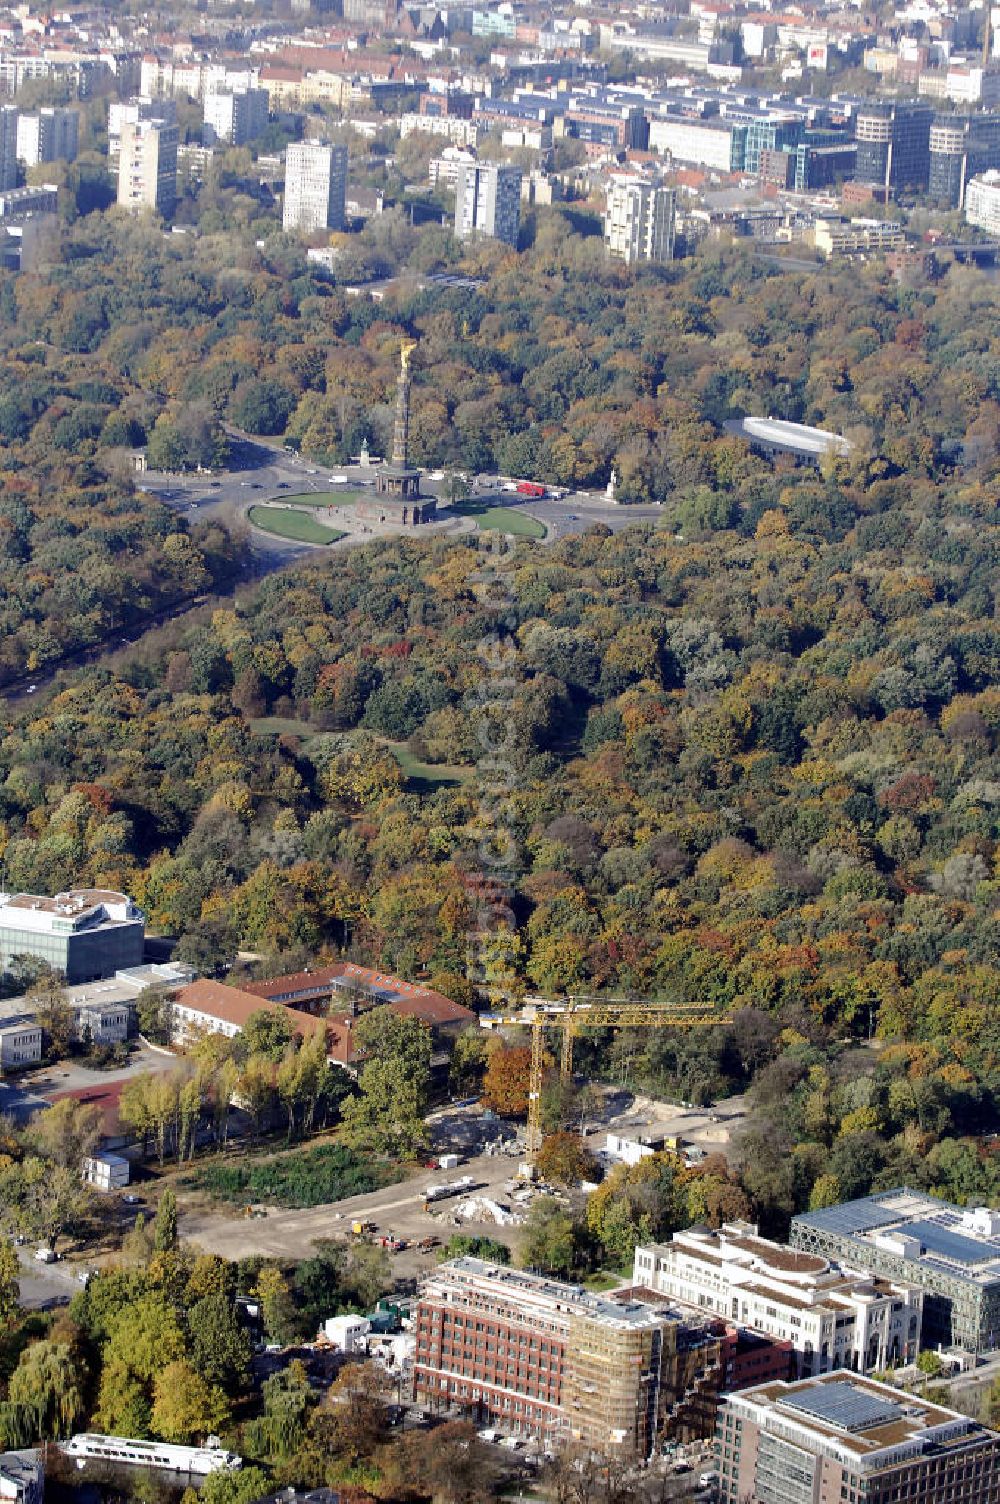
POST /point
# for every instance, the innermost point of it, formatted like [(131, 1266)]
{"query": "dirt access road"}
[(396, 1208)]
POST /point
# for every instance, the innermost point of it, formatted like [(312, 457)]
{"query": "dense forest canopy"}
[(748, 756)]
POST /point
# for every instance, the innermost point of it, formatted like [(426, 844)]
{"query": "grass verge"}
[(500, 519), (291, 524)]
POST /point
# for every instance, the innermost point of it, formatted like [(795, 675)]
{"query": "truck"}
[(448, 1188), (362, 1229), (530, 488)]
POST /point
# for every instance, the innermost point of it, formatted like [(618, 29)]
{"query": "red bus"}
[(530, 488)]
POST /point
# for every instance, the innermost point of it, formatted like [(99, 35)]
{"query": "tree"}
[(356, 1405), (49, 1379), (154, 1013), (507, 1080), (277, 1306), (565, 1160), (165, 1225), (186, 1407), (267, 1032), (47, 1000), (10, 1289), (41, 1200), (68, 1132), (244, 1486), (220, 1347), (549, 1239), (637, 1204), (366, 1276), (387, 1116), (461, 1245), (448, 1464)]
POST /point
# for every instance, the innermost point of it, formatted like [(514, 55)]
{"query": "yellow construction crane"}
[(572, 1015)]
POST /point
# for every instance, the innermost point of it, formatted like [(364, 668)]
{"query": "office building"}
[(540, 1358), (639, 221), (8, 147), (84, 934), (961, 147), (48, 136), (102, 1023), (20, 1045), (832, 1318), (841, 1439), (234, 116), (950, 1252), (894, 144), (982, 202), (147, 165), (488, 202), (315, 187), (718, 144), (856, 237)]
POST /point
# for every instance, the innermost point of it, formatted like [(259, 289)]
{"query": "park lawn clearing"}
[(499, 519), (423, 777), (297, 1178), (288, 523)]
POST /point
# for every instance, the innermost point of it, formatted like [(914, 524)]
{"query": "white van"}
[(46, 1255)]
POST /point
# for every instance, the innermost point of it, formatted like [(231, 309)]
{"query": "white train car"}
[(163, 1456)]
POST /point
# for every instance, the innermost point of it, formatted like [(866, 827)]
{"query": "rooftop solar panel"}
[(853, 1216), (950, 1245), (846, 1406)]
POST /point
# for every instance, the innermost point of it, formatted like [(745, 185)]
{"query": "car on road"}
[(132, 1200), (488, 1435), (282, 485), (334, 480), (244, 482), (45, 1255)]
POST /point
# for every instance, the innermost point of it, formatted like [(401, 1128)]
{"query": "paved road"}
[(261, 471)]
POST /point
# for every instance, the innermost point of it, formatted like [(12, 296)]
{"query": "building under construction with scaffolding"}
[(540, 1358)]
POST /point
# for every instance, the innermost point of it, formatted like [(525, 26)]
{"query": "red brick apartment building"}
[(541, 1358)]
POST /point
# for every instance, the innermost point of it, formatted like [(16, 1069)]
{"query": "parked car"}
[(46, 1255)]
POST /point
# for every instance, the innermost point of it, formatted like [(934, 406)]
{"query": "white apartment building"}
[(122, 112), (147, 166), (833, 1318), (488, 202), (49, 135), (315, 187), (639, 221), (236, 116), (442, 171), (459, 132), (982, 202)]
